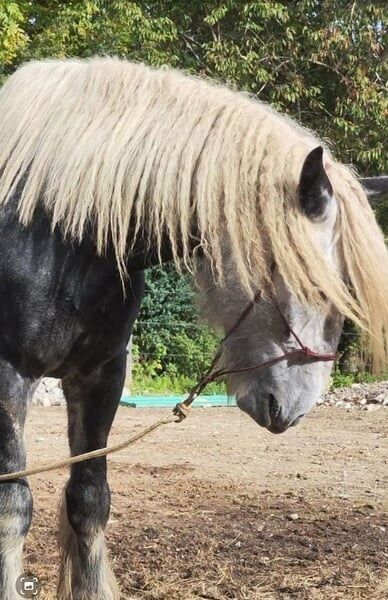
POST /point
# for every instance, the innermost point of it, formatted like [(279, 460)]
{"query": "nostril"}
[(296, 421), (274, 406)]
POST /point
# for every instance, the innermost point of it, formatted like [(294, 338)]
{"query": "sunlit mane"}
[(124, 148)]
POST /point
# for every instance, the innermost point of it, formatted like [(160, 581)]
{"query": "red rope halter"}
[(212, 375)]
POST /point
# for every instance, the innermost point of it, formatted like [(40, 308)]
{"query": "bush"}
[(171, 347)]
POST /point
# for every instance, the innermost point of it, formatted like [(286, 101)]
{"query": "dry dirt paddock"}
[(218, 508)]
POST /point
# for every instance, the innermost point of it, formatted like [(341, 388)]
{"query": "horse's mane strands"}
[(121, 147)]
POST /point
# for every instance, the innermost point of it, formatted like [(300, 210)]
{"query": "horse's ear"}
[(315, 190), (376, 188)]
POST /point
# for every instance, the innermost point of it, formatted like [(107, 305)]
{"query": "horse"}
[(108, 167)]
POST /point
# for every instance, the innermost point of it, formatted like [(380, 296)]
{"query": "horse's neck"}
[(144, 255)]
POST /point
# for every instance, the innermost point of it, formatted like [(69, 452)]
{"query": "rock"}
[(50, 383), (58, 393), (340, 403), (372, 407), (381, 399), (45, 401), (36, 400), (358, 396), (57, 401), (49, 393), (293, 517)]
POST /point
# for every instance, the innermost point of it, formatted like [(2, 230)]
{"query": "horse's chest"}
[(42, 333)]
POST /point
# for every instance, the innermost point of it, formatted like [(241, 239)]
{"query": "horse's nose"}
[(281, 417), (277, 424)]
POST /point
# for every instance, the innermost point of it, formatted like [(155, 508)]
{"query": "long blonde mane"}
[(121, 147)]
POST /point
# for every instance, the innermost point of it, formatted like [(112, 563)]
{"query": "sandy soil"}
[(218, 508)]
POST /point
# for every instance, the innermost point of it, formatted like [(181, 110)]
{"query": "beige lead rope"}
[(97, 453)]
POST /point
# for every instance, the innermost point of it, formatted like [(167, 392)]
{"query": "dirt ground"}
[(218, 508)]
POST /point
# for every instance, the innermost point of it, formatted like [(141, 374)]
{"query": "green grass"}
[(346, 379), (169, 384)]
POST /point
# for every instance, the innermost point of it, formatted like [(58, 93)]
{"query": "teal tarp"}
[(170, 401)]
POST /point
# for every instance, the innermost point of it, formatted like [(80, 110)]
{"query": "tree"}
[(320, 61), (13, 38), (169, 337)]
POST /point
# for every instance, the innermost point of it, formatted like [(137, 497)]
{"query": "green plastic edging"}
[(171, 401)]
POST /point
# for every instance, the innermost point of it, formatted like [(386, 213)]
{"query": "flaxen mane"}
[(111, 143)]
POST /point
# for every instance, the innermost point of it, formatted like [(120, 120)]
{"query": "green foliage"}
[(382, 216), (165, 384), (340, 379), (320, 61), (168, 336), (13, 38)]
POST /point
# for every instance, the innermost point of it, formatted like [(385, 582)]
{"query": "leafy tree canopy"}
[(320, 61)]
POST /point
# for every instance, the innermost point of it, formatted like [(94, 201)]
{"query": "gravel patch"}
[(362, 396)]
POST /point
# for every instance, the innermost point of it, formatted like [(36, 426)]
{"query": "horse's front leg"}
[(92, 403), (15, 496)]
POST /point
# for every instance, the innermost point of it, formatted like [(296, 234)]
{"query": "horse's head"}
[(279, 395)]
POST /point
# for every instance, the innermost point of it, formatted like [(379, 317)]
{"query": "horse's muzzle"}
[(269, 413)]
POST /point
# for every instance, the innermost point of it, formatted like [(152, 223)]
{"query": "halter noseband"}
[(211, 375)]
